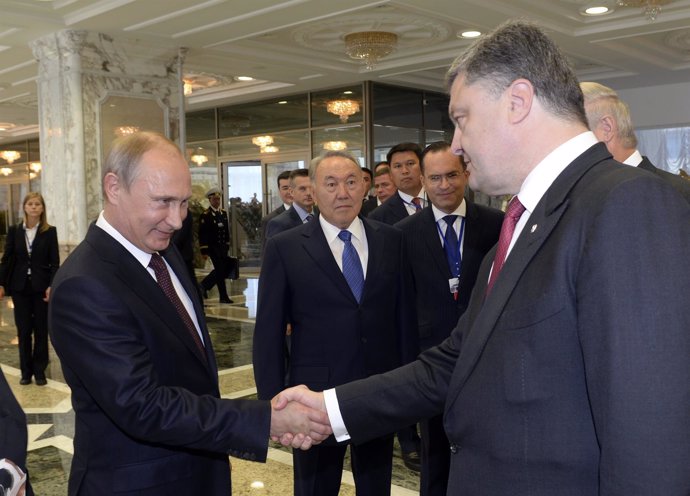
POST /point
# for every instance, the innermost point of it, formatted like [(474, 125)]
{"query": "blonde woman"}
[(28, 265)]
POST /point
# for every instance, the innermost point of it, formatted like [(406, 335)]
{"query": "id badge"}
[(454, 284)]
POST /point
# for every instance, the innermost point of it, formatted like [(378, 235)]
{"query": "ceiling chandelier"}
[(335, 145), (10, 156), (370, 46), (199, 158), (262, 141), (269, 149), (343, 108), (121, 131), (652, 8), (6, 171), (35, 167)]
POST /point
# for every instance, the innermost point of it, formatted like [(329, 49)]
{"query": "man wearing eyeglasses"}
[(341, 281), (445, 245)]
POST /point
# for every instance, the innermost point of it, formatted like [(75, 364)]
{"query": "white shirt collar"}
[(331, 232), (635, 159), (408, 198), (461, 211), (545, 173), (143, 257)]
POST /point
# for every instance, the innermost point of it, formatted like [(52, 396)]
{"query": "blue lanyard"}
[(455, 257)]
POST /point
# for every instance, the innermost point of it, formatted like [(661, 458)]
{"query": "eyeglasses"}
[(451, 177)]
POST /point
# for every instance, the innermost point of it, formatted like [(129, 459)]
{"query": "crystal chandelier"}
[(370, 46), (335, 145), (652, 8), (35, 167), (262, 141), (6, 171), (269, 149), (121, 131), (199, 158), (343, 108), (10, 156)]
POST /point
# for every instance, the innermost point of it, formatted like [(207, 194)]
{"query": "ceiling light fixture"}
[(651, 8), (10, 156), (269, 149), (470, 34), (343, 108), (35, 167), (121, 131), (6, 171), (262, 141), (597, 10), (370, 46), (199, 158), (335, 145), (6, 126), (244, 78)]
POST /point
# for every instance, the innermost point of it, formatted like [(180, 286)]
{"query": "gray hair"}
[(125, 155), (519, 49), (601, 100), (314, 164)]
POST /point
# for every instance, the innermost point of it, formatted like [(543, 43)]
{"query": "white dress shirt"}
[(407, 200), (337, 245)]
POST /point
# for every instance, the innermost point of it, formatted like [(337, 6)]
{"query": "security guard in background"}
[(214, 242)]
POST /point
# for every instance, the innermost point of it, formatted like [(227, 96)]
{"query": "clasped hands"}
[(299, 418)]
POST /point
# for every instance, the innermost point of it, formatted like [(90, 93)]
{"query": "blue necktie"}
[(450, 245), (308, 218), (352, 267)]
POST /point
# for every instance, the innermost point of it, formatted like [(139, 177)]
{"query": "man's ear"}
[(606, 128), (112, 188), (521, 97)]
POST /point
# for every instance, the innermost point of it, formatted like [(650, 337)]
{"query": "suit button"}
[(454, 448)]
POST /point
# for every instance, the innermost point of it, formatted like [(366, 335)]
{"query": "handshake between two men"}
[(299, 418)]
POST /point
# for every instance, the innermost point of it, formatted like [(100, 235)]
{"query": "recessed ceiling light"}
[(244, 78), (469, 34), (347, 92), (597, 10), (282, 102)]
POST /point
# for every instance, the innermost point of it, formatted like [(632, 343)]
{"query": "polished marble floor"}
[(51, 419)]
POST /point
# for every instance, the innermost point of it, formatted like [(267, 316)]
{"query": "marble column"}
[(90, 87)]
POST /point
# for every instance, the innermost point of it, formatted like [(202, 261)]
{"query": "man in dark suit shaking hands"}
[(127, 322), (568, 374), (340, 281), (446, 243)]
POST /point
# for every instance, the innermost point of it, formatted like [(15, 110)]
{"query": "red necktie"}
[(417, 202), (163, 277), (513, 214)]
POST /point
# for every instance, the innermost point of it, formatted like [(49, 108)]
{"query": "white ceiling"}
[(292, 46)]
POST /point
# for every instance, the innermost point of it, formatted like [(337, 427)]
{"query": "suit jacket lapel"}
[(138, 279), (473, 235), (539, 226), (429, 231)]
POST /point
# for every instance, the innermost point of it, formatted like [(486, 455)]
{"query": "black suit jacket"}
[(13, 436), (682, 185), (390, 211), (148, 414), (571, 378), (283, 222), (369, 205), (437, 310), (334, 339), (265, 220), (44, 260)]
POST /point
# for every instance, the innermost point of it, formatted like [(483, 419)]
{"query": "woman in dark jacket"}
[(27, 268)]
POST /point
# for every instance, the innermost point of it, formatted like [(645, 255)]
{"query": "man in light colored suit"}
[(568, 374), (610, 121), (342, 329), (128, 325)]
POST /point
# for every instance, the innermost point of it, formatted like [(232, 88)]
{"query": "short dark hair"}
[(283, 175), (379, 164), (368, 171), (439, 146), (405, 147), (298, 173), (519, 49)]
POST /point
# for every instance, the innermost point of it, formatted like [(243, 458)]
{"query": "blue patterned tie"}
[(450, 245), (352, 267)]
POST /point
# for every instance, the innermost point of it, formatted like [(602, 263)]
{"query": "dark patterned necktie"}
[(163, 277), (352, 266), (417, 202), (513, 213)]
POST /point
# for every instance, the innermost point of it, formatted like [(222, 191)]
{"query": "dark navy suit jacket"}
[(571, 377), (148, 415), (390, 211)]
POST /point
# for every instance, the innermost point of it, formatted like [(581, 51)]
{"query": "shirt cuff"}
[(334, 416)]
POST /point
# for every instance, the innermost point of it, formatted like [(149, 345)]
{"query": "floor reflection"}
[(51, 419)]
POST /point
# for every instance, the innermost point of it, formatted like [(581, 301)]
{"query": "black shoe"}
[(25, 380), (412, 461), (41, 381), (226, 300)]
